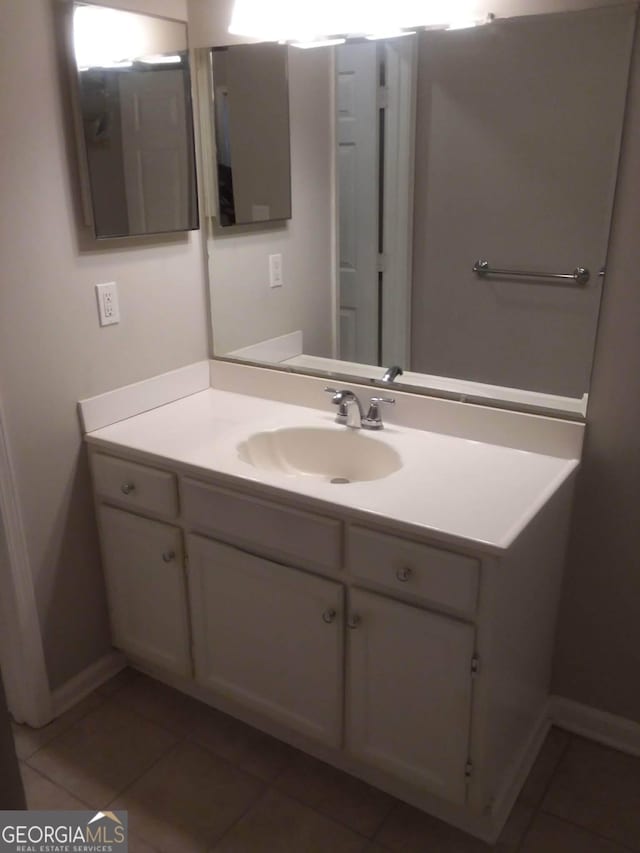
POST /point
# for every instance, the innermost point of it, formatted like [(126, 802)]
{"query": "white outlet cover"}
[(108, 307), (275, 271)]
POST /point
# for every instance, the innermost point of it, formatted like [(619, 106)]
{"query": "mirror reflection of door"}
[(154, 148), (358, 134), (374, 114)]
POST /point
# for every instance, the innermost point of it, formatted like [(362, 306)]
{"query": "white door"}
[(144, 570), (268, 637), (358, 200), (155, 150), (409, 693)]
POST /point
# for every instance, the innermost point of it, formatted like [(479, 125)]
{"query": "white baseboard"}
[(85, 682), (601, 726)]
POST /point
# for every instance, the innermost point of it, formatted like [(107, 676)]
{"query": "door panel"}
[(357, 127), (269, 637), (146, 587), (409, 693)]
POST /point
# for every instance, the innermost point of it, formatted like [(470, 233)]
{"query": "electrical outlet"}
[(275, 271), (108, 308)]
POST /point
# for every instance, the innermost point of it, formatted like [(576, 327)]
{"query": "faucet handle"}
[(374, 418), (338, 399)]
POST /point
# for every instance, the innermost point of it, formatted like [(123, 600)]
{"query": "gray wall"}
[(245, 310), (517, 135), (52, 351), (598, 647)]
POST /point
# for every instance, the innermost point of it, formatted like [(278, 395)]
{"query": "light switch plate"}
[(108, 308)]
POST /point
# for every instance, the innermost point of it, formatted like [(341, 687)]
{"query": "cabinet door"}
[(268, 637), (409, 692), (144, 569)]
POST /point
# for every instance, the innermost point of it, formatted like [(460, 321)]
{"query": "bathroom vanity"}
[(399, 626)]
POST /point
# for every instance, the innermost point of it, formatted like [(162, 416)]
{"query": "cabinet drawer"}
[(287, 534), (439, 576), (135, 485)]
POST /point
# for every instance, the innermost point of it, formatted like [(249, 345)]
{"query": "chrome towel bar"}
[(580, 275)]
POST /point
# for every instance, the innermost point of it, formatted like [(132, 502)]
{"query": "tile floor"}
[(195, 780)]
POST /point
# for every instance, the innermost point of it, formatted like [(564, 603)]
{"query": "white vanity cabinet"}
[(409, 692), (354, 640), (269, 637), (144, 572)]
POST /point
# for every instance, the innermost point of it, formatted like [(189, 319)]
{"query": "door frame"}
[(22, 658), (399, 102), (401, 57)]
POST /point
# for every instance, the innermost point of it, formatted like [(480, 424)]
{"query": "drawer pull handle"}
[(329, 616), (354, 622), (404, 574), (127, 488), (168, 556)]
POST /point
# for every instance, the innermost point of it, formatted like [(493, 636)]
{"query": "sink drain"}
[(339, 480)]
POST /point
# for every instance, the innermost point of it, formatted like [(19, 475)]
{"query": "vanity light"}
[(312, 23)]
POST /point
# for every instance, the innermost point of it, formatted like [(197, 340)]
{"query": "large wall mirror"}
[(251, 116), (135, 122), (413, 161)]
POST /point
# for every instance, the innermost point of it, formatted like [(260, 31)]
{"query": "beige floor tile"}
[(43, 795), (28, 740), (161, 704), (545, 766), (242, 745), (137, 845), (551, 835), (121, 679), (598, 788), (103, 753), (408, 830), (188, 800), (337, 795), (278, 824)]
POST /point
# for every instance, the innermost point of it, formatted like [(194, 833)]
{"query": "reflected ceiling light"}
[(317, 43), (106, 38), (316, 20), (390, 35), (160, 59)]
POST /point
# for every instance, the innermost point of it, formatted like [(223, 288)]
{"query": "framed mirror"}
[(135, 122), (446, 187)]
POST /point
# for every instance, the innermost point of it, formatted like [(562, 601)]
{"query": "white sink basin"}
[(334, 455)]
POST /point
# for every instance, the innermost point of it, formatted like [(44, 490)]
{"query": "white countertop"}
[(460, 491)]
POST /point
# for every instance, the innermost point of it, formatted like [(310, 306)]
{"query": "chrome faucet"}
[(350, 410), (391, 373), (351, 413)]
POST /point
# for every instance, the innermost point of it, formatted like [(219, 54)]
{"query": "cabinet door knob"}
[(168, 556), (127, 488), (329, 616), (404, 574), (354, 621)]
